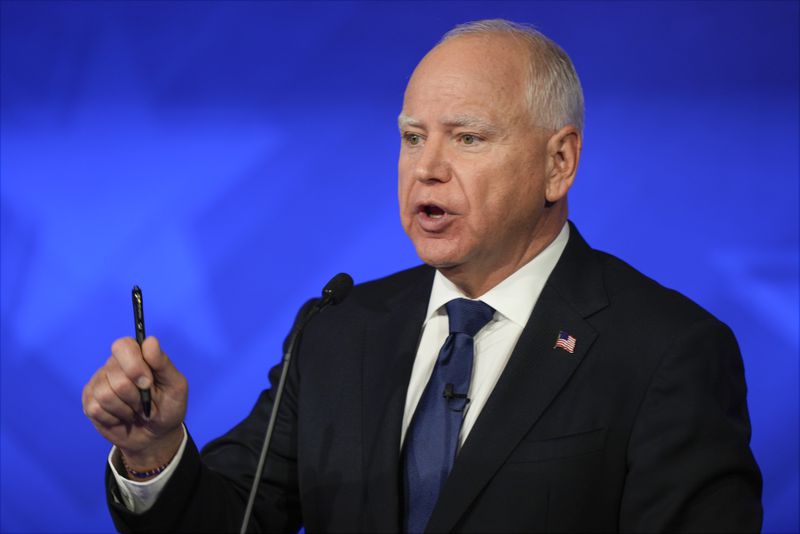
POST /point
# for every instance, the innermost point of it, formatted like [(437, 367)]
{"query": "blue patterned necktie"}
[(432, 437)]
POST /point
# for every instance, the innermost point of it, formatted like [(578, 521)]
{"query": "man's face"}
[(472, 166)]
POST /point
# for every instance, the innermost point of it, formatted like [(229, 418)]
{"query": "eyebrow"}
[(458, 121), (405, 120), (470, 121)]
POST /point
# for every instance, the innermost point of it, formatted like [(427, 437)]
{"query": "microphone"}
[(456, 402), (450, 394), (336, 290), (333, 293)]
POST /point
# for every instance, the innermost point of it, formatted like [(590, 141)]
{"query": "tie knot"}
[(468, 316)]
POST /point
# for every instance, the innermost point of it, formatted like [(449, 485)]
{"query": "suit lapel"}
[(390, 346), (534, 375)]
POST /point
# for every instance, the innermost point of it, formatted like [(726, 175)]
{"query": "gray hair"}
[(554, 93)]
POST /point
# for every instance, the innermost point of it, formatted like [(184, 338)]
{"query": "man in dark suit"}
[(594, 398)]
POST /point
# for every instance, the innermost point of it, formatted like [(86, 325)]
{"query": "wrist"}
[(146, 463), (141, 476)]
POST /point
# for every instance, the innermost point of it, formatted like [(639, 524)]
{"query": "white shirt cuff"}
[(139, 497)]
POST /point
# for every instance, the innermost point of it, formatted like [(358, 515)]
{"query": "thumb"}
[(164, 373)]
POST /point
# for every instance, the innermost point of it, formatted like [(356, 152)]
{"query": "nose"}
[(432, 163)]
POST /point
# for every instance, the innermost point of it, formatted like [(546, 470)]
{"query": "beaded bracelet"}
[(143, 474)]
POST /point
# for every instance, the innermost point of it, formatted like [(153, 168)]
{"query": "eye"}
[(412, 139), (469, 139)]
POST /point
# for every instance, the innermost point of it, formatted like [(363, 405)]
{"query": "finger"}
[(166, 374), (106, 420), (129, 356), (120, 383), (86, 394), (117, 394), (105, 396), (98, 416), (89, 400)]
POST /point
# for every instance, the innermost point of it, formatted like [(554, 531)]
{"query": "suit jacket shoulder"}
[(642, 427)]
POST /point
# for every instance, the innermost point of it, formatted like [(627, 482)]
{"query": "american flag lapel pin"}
[(565, 341)]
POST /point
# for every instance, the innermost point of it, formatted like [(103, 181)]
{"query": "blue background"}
[(230, 157)]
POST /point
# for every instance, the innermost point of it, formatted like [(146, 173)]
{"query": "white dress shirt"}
[(513, 300), (139, 497)]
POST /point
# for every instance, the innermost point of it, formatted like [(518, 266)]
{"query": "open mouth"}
[(433, 211)]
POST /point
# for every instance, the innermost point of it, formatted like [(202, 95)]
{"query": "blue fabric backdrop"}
[(230, 157)]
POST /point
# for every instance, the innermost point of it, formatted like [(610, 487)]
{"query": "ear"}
[(563, 153)]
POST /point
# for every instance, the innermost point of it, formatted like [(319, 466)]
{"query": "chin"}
[(437, 256)]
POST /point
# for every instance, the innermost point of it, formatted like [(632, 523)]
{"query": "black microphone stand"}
[(335, 291)]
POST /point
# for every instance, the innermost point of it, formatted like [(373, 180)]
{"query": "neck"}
[(476, 281)]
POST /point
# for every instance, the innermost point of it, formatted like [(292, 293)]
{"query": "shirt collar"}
[(514, 297)]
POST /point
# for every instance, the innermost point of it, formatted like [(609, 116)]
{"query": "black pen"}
[(138, 322)]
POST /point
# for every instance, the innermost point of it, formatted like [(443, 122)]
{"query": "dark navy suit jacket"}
[(643, 428)]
